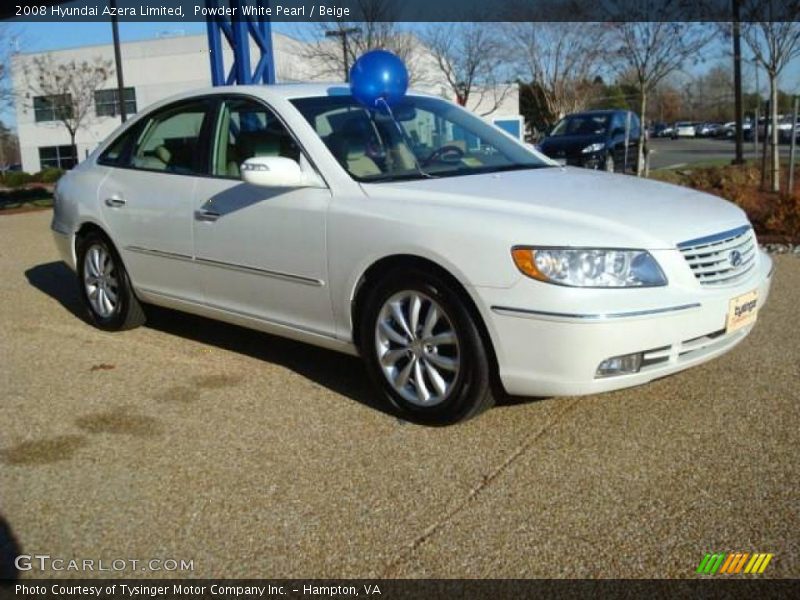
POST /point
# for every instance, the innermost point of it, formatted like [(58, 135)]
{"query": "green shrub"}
[(49, 175), (16, 179)]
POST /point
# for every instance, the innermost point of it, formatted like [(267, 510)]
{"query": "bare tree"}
[(470, 57), (713, 93), (7, 40), (774, 45), (67, 89), (9, 148), (561, 60), (376, 29), (650, 51)]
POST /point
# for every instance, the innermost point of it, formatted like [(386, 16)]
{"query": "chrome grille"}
[(721, 258)]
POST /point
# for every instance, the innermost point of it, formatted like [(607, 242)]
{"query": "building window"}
[(105, 102), (52, 108), (57, 157)]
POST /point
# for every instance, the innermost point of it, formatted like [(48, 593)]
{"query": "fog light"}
[(620, 365)]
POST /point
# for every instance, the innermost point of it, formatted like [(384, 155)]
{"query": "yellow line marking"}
[(749, 566), (765, 563), (758, 563)]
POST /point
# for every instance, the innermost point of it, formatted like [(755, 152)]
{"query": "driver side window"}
[(246, 128)]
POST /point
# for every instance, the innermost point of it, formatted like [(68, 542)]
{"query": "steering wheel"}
[(446, 154)]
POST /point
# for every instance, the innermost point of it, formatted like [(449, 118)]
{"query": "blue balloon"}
[(378, 75)]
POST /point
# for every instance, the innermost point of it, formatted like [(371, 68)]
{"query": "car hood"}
[(569, 144), (597, 207)]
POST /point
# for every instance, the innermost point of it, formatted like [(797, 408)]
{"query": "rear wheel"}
[(104, 285), (422, 347)]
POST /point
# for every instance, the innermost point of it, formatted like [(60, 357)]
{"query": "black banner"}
[(390, 589), (399, 10)]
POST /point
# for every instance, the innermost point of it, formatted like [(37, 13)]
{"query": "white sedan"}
[(684, 129), (455, 260)]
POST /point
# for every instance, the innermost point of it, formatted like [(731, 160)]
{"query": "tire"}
[(455, 373), (105, 287), (609, 164)]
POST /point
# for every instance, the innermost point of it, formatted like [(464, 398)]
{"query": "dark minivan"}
[(594, 140)]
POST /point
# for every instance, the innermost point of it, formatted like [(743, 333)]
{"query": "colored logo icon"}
[(733, 563)]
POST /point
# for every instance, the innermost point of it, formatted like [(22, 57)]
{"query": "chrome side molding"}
[(584, 317), (223, 265)]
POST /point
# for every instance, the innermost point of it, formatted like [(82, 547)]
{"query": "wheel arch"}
[(92, 226), (385, 265)]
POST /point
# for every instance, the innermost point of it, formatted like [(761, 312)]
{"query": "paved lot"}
[(255, 456), (685, 151)]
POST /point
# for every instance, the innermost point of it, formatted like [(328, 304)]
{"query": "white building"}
[(155, 69)]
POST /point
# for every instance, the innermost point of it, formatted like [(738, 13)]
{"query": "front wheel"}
[(104, 285), (423, 348)]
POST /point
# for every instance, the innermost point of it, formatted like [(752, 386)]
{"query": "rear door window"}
[(172, 140)]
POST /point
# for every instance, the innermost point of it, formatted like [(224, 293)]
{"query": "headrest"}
[(163, 154)]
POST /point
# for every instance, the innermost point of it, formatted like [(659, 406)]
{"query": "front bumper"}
[(593, 160), (553, 347)]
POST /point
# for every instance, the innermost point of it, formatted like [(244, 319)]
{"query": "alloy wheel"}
[(100, 281), (417, 348)]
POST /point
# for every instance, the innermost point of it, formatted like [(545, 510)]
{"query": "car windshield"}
[(428, 137), (581, 125)]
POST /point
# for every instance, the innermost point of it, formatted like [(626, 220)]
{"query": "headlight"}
[(586, 267), (593, 148)]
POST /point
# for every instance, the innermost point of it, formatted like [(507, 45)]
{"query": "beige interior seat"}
[(349, 146), (361, 165), (157, 161)]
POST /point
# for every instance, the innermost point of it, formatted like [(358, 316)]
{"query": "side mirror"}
[(273, 171)]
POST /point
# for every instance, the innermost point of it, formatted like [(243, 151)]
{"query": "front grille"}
[(721, 258)]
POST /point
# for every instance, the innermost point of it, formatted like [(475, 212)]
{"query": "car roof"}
[(283, 91), (605, 111)]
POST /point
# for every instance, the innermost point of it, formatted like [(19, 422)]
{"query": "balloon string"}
[(406, 140)]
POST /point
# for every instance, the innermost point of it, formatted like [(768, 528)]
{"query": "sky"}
[(47, 36)]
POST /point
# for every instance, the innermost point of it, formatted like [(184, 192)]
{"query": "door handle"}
[(115, 201), (206, 215)]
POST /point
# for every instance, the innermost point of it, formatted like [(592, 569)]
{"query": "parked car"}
[(658, 130), (463, 260), (765, 127), (594, 140), (684, 129), (748, 130), (728, 130), (785, 130), (707, 129)]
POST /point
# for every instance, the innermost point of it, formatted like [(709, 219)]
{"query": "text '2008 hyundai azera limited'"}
[(445, 253)]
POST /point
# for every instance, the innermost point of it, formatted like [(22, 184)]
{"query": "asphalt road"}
[(254, 456), (667, 153)]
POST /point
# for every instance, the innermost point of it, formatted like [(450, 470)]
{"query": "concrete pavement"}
[(668, 153), (258, 457)]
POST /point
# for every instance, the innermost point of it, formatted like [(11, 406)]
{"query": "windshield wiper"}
[(515, 168), (487, 170), (389, 177)]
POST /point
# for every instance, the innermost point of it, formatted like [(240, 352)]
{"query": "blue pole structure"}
[(238, 32)]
